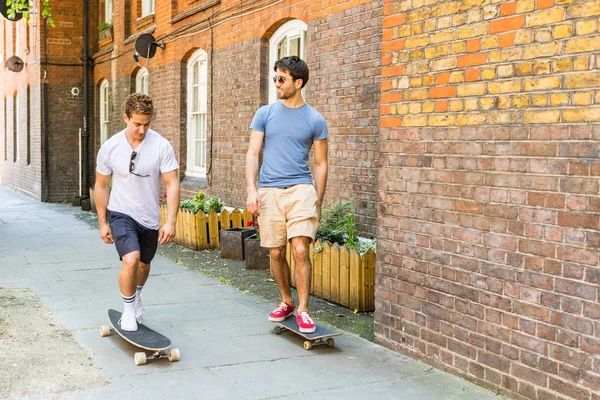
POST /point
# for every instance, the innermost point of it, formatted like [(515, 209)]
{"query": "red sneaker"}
[(305, 322), (282, 311)]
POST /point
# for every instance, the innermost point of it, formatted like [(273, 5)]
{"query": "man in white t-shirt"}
[(135, 159)]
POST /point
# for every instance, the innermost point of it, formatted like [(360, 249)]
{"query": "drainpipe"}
[(46, 197), (86, 132)]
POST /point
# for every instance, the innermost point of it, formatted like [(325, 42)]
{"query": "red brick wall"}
[(489, 208), (239, 59)]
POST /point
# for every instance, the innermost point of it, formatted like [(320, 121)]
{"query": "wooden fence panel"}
[(332, 255), (326, 278), (236, 219), (317, 275), (356, 280), (225, 219), (344, 275), (246, 216), (179, 228), (369, 267), (213, 230), (201, 231)]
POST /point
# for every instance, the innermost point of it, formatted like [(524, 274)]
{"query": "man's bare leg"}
[(129, 273), (302, 270), (281, 273)]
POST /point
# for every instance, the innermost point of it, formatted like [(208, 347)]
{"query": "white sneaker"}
[(128, 322), (139, 307)]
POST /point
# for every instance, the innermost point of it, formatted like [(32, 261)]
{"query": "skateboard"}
[(321, 337), (144, 338)]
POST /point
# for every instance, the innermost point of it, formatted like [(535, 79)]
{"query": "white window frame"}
[(141, 81), (16, 127), (104, 111), (109, 9), (290, 30), (147, 7), (197, 119)]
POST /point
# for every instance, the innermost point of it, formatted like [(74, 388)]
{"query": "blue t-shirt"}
[(289, 136)]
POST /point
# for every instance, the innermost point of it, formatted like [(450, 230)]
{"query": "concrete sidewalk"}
[(228, 350)]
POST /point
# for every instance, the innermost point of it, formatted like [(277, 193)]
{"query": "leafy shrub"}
[(201, 202), (337, 226)]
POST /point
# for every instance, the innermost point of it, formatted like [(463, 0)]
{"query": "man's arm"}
[(101, 196), (166, 234), (321, 148), (252, 200)]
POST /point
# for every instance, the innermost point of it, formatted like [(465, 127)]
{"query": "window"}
[(141, 81), (16, 127), (103, 112), (197, 100), (109, 11), (288, 40), (147, 7)]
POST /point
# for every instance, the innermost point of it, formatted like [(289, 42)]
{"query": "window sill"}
[(143, 22), (194, 181), (132, 38)]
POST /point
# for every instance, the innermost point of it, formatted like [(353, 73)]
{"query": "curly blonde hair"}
[(138, 103)]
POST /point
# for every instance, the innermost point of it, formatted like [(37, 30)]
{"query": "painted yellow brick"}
[(543, 35), (582, 98), (563, 2), (587, 114), (470, 31), (405, 31), (586, 27), (446, 8), (428, 106), (444, 22), (487, 103), (597, 97), (417, 29), (542, 50), (403, 109), (416, 94), (414, 108), (504, 102), (498, 118), (420, 14), (414, 120), (441, 120), (581, 63), (563, 31), (512, 54), (523, 69), (415, 81), (418, 67), (443, 36), (541, 117), (540, 100), (508, 86), (429, 80), (458, 47), (457, 77), (524, 37), (444, 64), (474, 15), (415, 42), (583, 45), (470, 119), (416, 55), (429, 25), (545, 17), (525, 5), (520, 101), (393, 109), (455, 105), (488, 74), (471, 104), (442, 50), (584, 9), (430, 52), (537, 84), (541, 67), (559, 99), (460, 19), (490, 42), (473, 89), (582, 80), (562, 65), (506, 71)]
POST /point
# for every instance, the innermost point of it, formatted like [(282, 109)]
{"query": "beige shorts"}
[(287, 213)]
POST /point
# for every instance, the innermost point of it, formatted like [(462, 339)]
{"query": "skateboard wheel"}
[(104, 331), (330, 342), (174, 355), (139, 358), (307, 345), (277, 330)]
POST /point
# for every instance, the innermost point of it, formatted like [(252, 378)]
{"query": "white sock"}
[(128, 303), (138, 292)]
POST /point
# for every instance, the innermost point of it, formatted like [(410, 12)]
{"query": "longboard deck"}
[(321, 332), (144, 338)]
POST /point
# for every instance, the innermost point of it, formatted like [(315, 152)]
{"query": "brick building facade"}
[(488, 192)]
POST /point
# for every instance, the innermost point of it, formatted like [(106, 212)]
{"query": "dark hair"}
[(138, 103), (295, 66)]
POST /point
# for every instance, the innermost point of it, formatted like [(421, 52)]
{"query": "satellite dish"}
[(145, 45), (4, 12), (15, 64)]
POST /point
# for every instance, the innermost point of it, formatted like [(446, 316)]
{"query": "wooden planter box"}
[(257, 257), (232, 242)]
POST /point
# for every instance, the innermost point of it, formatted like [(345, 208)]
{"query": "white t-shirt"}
[(133, 195)]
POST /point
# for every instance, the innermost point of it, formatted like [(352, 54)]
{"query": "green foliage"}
[(337, 225), (104, 26), (201, 202), (24, 7)]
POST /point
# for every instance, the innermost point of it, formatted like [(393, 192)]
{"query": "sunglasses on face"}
[(132, 165), (280, 79)]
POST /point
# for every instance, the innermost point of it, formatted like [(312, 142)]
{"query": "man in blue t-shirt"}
[(287, 203)]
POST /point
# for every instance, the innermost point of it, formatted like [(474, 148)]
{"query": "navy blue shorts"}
[(130, 236)]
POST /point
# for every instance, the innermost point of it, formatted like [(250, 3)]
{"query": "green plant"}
[(104, 26), (23, 6), (337, 225), (201, 202)]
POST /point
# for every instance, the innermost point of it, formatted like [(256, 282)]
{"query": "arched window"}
[(103, 111), (197, 111), (141, 81), (288, 40)]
